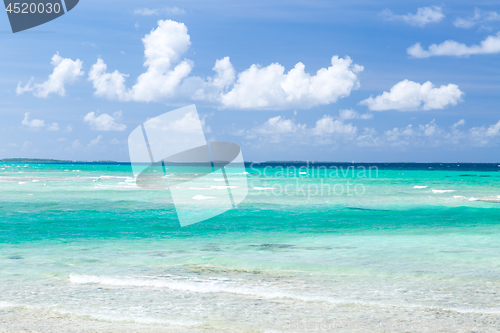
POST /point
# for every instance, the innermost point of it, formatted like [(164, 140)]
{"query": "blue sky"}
[(389, 94)]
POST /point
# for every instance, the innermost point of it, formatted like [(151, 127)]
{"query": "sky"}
[(339, 81)]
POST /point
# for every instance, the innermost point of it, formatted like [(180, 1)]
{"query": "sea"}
[(314, 247)]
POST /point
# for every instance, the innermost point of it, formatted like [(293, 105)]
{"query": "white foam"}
[(459, 197), (6, 305), (222, 187), (197, 286), (416, 186), (442, 191), (21, 183), (202, 197)]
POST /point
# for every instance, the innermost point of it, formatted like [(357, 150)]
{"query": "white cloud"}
[(68, 128), (163, 47), (412, 96), (159, 11), (167, 77), (115, 141), (95, 141), (53, 127), (396, 133), (332, 132), (423, 16), (352, 114), (461, 122), (279, 129), (270, 88), (428, 135), (187, 124), (104, 122), (491, 45), (368, 138), (66, 71), (432, 135), (479, 17), (278, 125), (32, 123), (483, 135), (212, 88), (327, 125)]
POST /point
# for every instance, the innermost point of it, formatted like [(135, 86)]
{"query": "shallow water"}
[(398, 246)]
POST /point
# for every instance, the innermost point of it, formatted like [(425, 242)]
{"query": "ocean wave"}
[(442, 191), (416, 186), (203, 197), (7, 305), (220, 187), (495, 199), (197, 285)]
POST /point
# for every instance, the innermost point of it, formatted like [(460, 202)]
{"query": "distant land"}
[(51, 161)]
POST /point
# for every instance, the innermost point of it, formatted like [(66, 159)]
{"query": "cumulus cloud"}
[(280, 129), (258, 87), (478, 17), (422, 17), (484, 134), (66, 71), (331, 131), (159, 11), (427, 135), (412, 96), (491, 45), (163, 47), (327, 125), (32, 123), (279, 125), (432, 135), (270, 88), (104, 122)]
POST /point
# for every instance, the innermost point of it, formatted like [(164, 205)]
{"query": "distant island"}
[(51, 161)]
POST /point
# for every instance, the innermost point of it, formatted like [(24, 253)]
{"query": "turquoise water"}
[(399, 242)]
